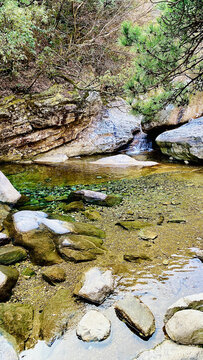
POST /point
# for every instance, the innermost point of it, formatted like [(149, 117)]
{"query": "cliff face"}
[(36, 124), (60, 124)]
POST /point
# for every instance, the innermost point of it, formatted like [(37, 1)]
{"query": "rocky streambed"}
[(148, 241)]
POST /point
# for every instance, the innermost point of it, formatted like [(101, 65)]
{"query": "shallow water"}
[(171, 190)]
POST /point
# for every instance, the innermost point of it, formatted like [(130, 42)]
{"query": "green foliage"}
[(19, 26), (168, 56)]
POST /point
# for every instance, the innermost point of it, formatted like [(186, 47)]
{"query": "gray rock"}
[(168, 350), (122, 160), (95, 286), (8, 279), (184, 143), (194, 302), (8, 194), (93, 326), (136, 314), (186, 327)]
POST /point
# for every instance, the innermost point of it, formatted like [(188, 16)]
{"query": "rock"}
[(136, 258), (11, 254), (7, 347), (184, 143), (199, 255), (89, 230), (133, 224), (122, 160), (8, 194), (4, 239), (176, 220), (52, 159), (4, 211), (92, 215), (168, 350), (28, 272), (58, 314), (73, 206), (186, 327), (172, 116), (95, 286), (79, 248), (136, 314), (93, 326), (106, 131), (54, 274), (17, 320), (8, 279), (194, 302), (165, 262), (147, 234), (93, 197), (42, 122)]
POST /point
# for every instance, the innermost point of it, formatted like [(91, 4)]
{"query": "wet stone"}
[(194, 301), (92, 215), (93, 326), (147, 234), (54, 274), (136, 314), (133, 224), (136, 258), (95, 285), (12, 254), (8, 279)]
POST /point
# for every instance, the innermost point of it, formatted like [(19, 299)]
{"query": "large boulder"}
[(110, 130), (8, 279), (95, 285), (172, 116), (136, 314), (184, 143), (8, 194), (7, 346), (186, 327), (93, 326), (168, 350)]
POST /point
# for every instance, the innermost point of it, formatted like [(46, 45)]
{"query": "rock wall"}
[(60, 121)]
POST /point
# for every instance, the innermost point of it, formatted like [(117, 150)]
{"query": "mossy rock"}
[(62, 217), (92, 215), (136, 258), (73, 206), (10, 281), (17, 320), (112, 200), (12, 254), (147, 234), (54, 274), (133, 224), (28, 272), (80, 248), (64, 307), (89, 230)]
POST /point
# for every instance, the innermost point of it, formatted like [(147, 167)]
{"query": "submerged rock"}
[(133, 224), (94, 197), (194, 302), (136, 314), (93, 326), (147, 234), (136, 258), (17, 320), (168, 350), (186, 327), (12, 254), (92, 215), (95, 285), (122, 160), (184, 143), (73, 206), (54, 274), (8, 279), (8, 194), (57, 315)]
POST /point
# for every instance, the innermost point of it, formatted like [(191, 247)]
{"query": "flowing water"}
[(172, 191)]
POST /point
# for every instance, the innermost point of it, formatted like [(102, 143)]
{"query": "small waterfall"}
[(141, 143)]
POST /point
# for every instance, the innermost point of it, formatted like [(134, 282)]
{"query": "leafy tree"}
[(168, 56)]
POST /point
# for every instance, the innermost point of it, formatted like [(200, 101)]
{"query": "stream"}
[(172, 191)]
